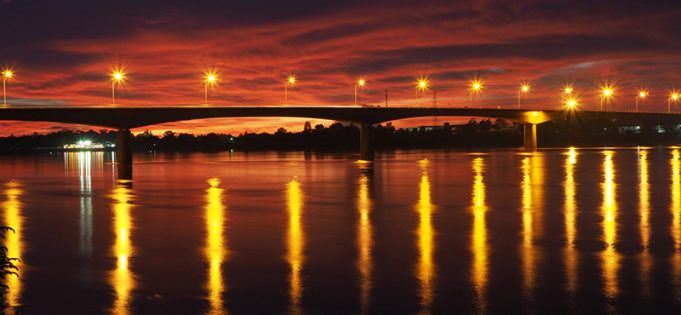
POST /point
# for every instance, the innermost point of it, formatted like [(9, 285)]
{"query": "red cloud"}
[(547, 45)]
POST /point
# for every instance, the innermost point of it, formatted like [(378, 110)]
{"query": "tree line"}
[(483, 133)]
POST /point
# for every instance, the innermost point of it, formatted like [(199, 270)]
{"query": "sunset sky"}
[(62, 53)]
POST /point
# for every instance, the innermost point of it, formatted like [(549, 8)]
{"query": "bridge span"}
[(125, 118)]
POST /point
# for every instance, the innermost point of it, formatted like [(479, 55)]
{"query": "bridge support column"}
[(123, 150), (366, 142), (530, 137)]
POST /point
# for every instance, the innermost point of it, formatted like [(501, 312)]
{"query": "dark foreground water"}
[(557, 231)]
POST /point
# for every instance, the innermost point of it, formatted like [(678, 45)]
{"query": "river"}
[(576, 230)]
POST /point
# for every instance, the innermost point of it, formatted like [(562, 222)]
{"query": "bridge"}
[(125, 118)]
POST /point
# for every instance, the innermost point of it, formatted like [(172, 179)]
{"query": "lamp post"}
[(210, 79), (475, 87), (524, 89), (7, 74), (117, 77), (674, 97), (607, 92), (361, 82), (642, 95), (422, 84), (290, 81)]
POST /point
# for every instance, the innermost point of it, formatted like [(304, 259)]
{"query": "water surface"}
[(556, 231)]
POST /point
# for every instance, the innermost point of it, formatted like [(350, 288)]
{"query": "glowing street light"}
[(475, 87), (290, 81), (572, 103), (422, 85), (524, 90), (568, 90), (607, 92), (642, 95), (7, 75), (361, 83), (117, 77), (210, 78), (674, 97)]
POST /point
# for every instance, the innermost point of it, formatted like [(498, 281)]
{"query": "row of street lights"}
[(422, 84), (568, 96)]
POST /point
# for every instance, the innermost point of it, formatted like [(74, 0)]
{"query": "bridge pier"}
[(123, 150), (530, 137), (366, 142), (124, 171)]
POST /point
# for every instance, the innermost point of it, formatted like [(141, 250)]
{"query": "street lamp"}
[(361, 82), (422, 85), (572, 103), (117, 77), (475, 87), (567, 91), (524, 89), (607, 92), (7, 75), (290, 81), (674, 97), (642, 95), (210, 78)]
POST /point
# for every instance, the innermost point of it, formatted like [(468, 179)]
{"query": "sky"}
[(62, 53)]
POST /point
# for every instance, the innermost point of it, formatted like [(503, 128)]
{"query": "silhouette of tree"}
[(7, 266)]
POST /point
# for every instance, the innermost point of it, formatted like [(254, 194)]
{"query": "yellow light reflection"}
[(571, 258), (676, 199), (479, 270), (216, 248), (644, 224), (532, 194), (13, 240), (364, 241), (122, 279), (610, 257), (425, 270), (296, 243), (676, 218)]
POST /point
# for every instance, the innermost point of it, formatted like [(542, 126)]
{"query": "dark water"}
[(558, 231)]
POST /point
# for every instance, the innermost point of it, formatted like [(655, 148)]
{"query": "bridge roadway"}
[(125, 118)]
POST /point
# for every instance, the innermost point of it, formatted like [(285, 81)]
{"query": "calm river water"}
[(557, 231)]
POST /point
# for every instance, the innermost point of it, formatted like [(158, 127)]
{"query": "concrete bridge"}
[(126, 118)]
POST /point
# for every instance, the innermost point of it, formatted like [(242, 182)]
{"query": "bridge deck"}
[(126, 117)]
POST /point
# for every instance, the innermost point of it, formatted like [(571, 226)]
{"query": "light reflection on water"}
[(479, 244), (425, 268), (610, 258), (571, 254), (676, 218), (532, 182), (296, 243), (122, 278), (644, 220), (14, 240), (620, 233), (216, 248), (364, 236)]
